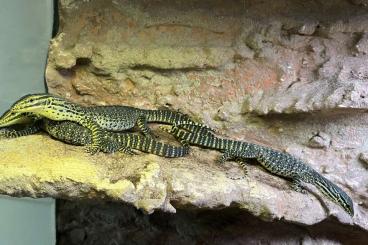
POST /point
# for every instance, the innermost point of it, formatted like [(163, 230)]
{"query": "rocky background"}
[(288, 74)]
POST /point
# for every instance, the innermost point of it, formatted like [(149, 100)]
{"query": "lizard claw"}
[(296, 186), (92, 149), (167, 129), (127, 150)]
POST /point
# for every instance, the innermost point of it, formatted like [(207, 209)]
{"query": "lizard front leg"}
[(142, 125), (97, 136)]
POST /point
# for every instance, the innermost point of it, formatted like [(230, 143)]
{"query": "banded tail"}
[(285, 165), (278, 163), (150, 145), (173, 118), (14, 132), (201, 137)]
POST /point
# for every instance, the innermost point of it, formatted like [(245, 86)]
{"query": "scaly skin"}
[(58, 109), (278, 163), (15, 131), (112, 118), (119, 118), (76, 134), (10, 118), (12, 123)]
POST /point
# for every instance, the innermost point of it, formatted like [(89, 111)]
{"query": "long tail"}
[(14, 132), (285, 165), (153, 146), (200, 137), (331, 191), (197, 136), (276, 162), (173, 118)]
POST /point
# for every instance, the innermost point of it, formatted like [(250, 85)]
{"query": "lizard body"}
[(76, 134), (112, 118), (58, 109)]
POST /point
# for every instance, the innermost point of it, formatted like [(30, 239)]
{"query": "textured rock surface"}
[(152, 183), (233, 51), (280, 77)]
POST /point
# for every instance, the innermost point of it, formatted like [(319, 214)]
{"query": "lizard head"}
[(45, 105), (11, 117), (37, 103), (31, 103)]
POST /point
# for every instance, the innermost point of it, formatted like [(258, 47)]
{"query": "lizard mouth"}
[(11, 117)]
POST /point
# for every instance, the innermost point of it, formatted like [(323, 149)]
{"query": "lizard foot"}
[(3, 134), (296, 186), (226, 156), (244, 167), (234, 174), (127, 150), (92, 149), (166, 129)]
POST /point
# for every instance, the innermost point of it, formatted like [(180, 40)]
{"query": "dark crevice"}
[(92, 222), (55, 25), (55, 30), (66, 72), (178, 25), (171, 70), (82, 61)]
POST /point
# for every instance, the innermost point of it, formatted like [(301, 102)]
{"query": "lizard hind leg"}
[(142, 125), (110, 146), (196, 129), (183, 142), (228, 155), (174, 131), (127, 150), (234, 173), (296, 185), (167, 129), (242, 164)]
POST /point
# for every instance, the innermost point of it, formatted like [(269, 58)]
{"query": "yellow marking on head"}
[(32, 103), (46, 105), (11, 118)]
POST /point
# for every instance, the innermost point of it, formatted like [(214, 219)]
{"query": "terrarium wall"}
[(292, 75)]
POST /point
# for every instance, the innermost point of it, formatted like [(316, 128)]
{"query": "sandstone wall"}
[(288, 74)]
